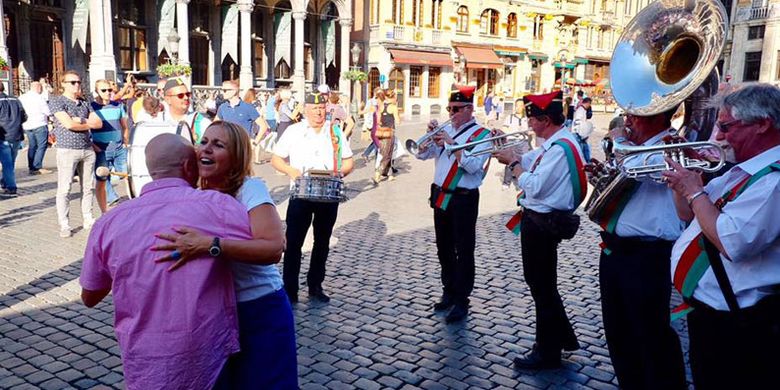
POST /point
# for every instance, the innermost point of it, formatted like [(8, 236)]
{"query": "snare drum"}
[(319, 188), (137, 172)]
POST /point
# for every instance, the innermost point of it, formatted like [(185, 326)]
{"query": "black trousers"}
[(736, 350), (455, 241), (300, 215), (635, 280), (540, 270)]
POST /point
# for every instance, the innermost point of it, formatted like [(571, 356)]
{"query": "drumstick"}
[(102, 172)]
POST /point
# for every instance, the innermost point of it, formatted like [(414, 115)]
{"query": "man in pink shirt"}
[(175, 329)]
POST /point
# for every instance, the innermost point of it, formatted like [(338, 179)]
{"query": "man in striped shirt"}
[(109, 141)]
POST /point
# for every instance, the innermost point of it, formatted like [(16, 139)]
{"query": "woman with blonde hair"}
[(265, 319)]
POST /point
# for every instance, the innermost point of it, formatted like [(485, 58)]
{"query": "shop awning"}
[(413, 57), (568, 65), (538, 56), (479, 58), (580, 60)]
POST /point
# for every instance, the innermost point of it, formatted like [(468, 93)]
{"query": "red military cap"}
[(546, 104), (462, 94)]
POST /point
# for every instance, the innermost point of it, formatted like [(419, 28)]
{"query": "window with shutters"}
[(415, 86), (434, 79)]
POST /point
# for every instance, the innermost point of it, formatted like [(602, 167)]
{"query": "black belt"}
[(627, 244), (456, 191)]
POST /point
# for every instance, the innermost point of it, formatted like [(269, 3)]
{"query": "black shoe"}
[(292, 297), (571, 346), (319, 296), (33, 173), (458, 312), (9, 193), (395, 170), (535, 361), (444, 304)]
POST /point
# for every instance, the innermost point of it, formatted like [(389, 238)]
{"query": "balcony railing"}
[(436, 37), (759, 13), (398, 33)]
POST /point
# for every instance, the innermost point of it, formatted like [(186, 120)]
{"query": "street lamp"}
[(355, 51), (173, 45)]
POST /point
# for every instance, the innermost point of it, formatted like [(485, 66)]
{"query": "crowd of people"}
[(205, 222)]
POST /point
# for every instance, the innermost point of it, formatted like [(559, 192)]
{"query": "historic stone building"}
[(509, 47), (753, 50), (264, 43)]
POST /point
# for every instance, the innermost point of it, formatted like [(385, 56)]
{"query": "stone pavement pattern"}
[(378, 331)]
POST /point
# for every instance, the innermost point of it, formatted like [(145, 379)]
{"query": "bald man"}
[(175, 329)]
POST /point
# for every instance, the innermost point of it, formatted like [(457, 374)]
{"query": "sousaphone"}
[(666, 55)]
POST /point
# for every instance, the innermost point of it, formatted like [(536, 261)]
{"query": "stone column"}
[(299, 78), (346, 28), (102, 63), (183, 27), (246, 79), (4, 50)]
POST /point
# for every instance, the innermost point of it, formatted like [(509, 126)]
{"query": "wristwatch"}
[(514, 164), (215, 250)]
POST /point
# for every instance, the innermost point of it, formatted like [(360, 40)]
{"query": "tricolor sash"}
[(335, 139), (614, 209), (456, 173), (576, 172), (694, 261)]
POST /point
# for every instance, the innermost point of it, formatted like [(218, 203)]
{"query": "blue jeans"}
[(113, 156), (38, 139), (8, 152)]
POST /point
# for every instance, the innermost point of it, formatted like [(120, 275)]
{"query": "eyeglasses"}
[(72, 82), (725, 127), (456, 109), (105, 90), (181, 95)]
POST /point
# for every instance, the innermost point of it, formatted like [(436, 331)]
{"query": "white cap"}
[(323, 88)]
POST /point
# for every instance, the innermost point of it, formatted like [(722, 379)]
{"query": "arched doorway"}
[(396, 83)]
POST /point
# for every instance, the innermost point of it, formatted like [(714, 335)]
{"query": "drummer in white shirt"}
[(310, 145)]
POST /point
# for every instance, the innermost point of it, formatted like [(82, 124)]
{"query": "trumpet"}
[(413, 147), (675, 151), (500, 142)]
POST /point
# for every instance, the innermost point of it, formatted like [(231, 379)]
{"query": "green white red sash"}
[(456, 173), (694, 261), (335, 139), (614, 209), (578, 181)]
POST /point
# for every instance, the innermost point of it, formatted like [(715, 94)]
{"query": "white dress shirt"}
[(749, 230), (36, 108), (650, 212), (473, 166), (548, 187), (580, 123), (308, 149)]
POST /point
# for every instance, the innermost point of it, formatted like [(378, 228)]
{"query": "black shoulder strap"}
[(720, 274)]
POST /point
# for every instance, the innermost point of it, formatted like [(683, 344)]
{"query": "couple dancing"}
[(201, 306)]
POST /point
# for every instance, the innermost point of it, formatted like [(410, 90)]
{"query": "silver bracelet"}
[(694, 196)]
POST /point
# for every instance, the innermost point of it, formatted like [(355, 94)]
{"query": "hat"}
[(173, 83), (462, 94), (316, 98), (323, 88), (545, 104)]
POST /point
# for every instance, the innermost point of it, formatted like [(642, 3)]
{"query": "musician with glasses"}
[(73, 120), (455, 200), (552, 183), (177, 108), (639, 228), (312, 144), (726, 264)]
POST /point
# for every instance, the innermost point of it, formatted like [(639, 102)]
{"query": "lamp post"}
[(173, 45), (355, 51), (562, 61)]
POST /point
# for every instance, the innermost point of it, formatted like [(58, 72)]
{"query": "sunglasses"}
[(455, 109), (72, 82), (725, 127), (181, 95), (105, 90)]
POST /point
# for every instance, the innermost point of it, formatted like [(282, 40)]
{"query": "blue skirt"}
[(268, 357)]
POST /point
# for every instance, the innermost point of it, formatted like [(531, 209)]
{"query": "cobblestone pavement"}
[(377, 332)]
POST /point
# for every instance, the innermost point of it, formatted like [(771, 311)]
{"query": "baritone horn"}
[(674, 150), (499, 142), (413, 147)]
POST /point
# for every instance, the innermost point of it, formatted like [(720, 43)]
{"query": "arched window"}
[(373, 81), (463, 19), (488, 22), (511, 25)]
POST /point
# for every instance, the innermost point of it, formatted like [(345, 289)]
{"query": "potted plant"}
[(4, 68), (355, 75), (173, 70)]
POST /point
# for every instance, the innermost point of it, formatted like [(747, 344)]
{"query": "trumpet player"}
[(637, 236), (455, 199), (726, 264), (552, 181)]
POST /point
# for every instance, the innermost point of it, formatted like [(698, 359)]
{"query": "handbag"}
[(560, 224), (384, 132)]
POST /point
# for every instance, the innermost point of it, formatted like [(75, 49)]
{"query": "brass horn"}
[(499, 142), (413, 147)]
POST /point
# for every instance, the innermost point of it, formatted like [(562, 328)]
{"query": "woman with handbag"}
[(387, 119)]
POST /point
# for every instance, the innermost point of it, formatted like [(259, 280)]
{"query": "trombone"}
[(413, 147), (675, 151), (499, 142)]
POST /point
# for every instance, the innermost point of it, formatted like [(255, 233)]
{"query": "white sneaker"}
[(65, 233)]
